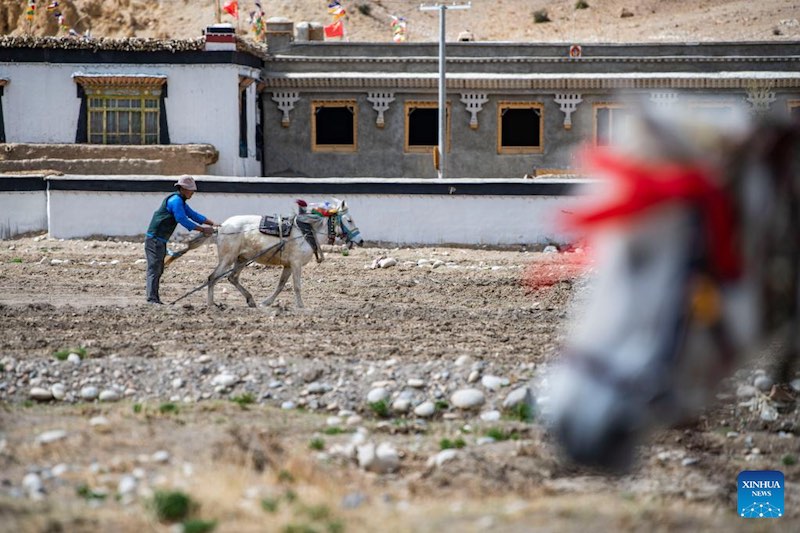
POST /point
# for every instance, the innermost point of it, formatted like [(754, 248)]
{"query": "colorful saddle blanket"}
[(276, 226)]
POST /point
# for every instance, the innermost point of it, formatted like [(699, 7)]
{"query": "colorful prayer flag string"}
[(399, 29), (336, 28), (257, 22)]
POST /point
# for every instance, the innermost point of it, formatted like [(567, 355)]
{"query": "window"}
[(123, 118), (793, 105), (609, 123), (333, 125), (422, 126), (120, 109), (520, 127)]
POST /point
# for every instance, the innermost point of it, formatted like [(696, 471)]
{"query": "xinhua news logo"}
[(760, 494)]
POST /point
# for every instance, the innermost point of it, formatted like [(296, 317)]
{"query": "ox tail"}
[(194, 243)]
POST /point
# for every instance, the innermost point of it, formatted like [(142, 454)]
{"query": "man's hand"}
[(207, 230), (209, 222)]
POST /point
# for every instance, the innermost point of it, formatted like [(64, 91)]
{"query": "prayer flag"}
[(336, 9), (232, 8), (52, 6), (335, 30), (399, 29)]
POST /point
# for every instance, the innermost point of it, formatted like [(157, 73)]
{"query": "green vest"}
[(163, 222)]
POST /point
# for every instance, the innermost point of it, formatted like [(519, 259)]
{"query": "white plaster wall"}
[(21, 212), (40, 105), (399, 219)]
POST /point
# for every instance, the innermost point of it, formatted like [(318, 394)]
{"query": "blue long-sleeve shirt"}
[(185, 215), (173, 210)]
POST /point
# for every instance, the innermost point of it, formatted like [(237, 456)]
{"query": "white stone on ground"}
[(493, 383), (425, 409), (473, 376), (517, 396), (442, 457), (387, 262), (58, 391), (490, 416), (74, 358), (467, 398), (224, 380), (401, 405), (33, 485), (40, 394), (127, 484), (89, 392), (288, 404), (416, 383), (161, 456), (51, 436), (377, 394), (463, 360), (109, 395), (100, 423)]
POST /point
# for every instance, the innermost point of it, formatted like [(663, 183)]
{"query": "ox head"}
[(673, 298), (346, 228)]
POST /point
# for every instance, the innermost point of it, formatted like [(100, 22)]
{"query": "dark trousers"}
[(155, 251)]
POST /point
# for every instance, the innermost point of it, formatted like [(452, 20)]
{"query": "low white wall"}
[(519, 215), (399, 219), (21, 212)]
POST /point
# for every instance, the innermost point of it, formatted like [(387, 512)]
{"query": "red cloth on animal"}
[(645, 185)]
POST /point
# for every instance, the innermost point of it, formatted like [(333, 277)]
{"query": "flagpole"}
[(442, 8)]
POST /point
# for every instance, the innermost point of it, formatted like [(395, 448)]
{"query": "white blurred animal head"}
[(675, 298)]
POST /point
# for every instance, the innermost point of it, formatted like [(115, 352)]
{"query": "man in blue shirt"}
[(173, 210)]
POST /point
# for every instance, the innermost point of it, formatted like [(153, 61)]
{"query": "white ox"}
[(240, 243)]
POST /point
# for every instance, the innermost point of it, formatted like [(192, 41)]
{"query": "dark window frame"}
[(319, 105), (82, 129), (502, 108), (411, 106)]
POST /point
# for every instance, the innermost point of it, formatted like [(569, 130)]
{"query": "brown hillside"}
[(489, 20)]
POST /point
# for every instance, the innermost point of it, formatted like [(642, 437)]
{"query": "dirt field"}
[(273, 446)]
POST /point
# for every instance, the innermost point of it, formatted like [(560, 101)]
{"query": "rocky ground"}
[(488, 20), (391, 403)]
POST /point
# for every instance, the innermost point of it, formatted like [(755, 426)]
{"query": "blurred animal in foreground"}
[(697, 238), (240, 243)]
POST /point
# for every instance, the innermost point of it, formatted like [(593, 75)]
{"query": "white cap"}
[(187, 182)]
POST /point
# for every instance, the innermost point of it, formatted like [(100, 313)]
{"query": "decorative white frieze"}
[(760, 96), (474, 104), (285, 101), (380, 102), (568, 102), (664, 98)]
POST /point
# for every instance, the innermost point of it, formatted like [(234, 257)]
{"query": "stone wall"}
[(107, 159)]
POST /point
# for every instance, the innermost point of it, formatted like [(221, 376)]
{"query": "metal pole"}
[(442, 93), (441, 147)]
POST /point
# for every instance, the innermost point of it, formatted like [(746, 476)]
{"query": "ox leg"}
[(213, 278), (233, 277), (281, 284), (296, 283)]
